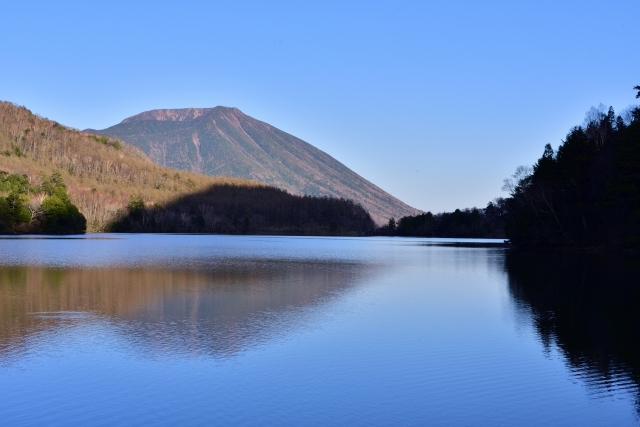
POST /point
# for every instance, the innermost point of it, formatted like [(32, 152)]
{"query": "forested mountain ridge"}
[(225, 141), (100, 173), (109, 180)]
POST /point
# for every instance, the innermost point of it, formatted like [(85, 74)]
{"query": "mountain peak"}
[(177, 114), (225, 141)]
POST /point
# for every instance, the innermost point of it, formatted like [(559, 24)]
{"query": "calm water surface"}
[(140, 330)]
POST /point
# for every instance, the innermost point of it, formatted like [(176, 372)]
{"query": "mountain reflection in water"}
[(254, 330), (217, 311), (588, 306)]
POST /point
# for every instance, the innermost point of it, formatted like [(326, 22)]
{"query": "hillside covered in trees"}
[(246, 210), (116, 187), (585, 194)]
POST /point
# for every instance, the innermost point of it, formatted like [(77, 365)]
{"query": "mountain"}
[(100, 173), (225, 141), (115, 186)]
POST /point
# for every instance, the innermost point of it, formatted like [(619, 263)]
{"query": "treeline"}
[(232, 209), (585, 194), (473, 223), (41, 208)]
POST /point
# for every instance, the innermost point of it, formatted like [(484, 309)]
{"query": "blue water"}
[(141, 330)]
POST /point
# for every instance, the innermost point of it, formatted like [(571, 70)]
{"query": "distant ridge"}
[(225, 141), (168, 115)]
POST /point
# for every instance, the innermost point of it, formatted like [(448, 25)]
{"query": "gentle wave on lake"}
[(253, 330)]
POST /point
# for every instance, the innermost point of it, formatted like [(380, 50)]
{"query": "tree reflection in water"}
[(588, 305)]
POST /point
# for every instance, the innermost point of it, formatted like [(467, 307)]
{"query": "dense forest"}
[(241, 210), (43, 207), (585, 194), (478, 223)]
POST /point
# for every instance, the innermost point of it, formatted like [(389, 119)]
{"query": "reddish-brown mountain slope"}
[(225, 141)]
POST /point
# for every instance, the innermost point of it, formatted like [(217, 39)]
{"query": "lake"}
[(199, 330)]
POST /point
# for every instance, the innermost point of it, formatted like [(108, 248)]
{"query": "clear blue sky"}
[(434, 101)]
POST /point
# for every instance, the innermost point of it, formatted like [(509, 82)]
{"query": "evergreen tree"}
[(585, 194)]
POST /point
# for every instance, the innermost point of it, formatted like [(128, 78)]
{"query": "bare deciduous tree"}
[(34, 205), (595, 124)]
